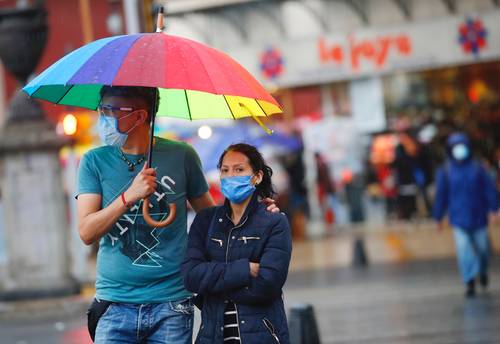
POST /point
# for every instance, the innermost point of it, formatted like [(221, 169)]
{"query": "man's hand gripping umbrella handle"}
[(145, 205)]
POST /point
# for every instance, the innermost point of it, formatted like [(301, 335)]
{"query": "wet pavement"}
[(395, 242), (419, 302), (409, 294)]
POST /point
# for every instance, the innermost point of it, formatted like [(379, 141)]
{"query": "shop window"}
[(340, 99), (306, 102)]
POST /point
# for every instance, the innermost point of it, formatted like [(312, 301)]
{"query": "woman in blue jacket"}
[(238, 256)]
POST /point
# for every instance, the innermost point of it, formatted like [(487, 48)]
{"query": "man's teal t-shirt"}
[(137, 263)]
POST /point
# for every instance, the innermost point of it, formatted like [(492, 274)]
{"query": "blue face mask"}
[(237, 188), (460, 151), (107, 127)]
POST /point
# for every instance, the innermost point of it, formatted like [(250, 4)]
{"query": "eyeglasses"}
[(110, 111)]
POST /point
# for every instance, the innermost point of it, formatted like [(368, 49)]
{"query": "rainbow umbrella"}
[(194, 81)]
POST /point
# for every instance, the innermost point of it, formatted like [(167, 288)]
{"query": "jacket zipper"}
[(245, 238), (238, 322), (269, 325), (231, 233), (227, 253)]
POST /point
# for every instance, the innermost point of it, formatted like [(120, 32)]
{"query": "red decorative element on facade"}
[(472, 36), (271, 63)]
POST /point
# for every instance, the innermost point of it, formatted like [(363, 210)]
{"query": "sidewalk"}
[(47, 307), (410, 292), (415, 303), (397, 242), (418, 302)]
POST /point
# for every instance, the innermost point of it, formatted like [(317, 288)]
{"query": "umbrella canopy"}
[(194, 81)]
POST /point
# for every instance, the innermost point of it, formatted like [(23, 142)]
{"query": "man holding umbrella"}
[(139, 287), (131, 79), (139, 290)]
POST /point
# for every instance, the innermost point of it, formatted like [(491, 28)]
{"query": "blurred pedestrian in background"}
[(424, 173), (497, 169), (353, 188), (238, 256), (326, 189), (407, 174), (298, 206), (466, 193)]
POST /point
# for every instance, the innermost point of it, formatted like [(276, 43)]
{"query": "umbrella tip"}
[(160, 20)]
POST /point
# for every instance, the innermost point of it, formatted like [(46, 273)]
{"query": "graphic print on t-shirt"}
[(139, 241)]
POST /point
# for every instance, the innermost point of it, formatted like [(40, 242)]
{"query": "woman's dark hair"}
[(265, 187), (147, 94)]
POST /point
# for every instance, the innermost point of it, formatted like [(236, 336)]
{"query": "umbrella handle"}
[(254, 116), (153, 223)]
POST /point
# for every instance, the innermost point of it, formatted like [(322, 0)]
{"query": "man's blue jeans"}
[(154, 323), (472, 252)]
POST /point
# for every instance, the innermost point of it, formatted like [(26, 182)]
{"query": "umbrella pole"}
[(152, 131), (145, 204), (159, 28), (151, 141)]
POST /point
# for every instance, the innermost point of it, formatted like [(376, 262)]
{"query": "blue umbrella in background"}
[(282, 143), (210, 150)]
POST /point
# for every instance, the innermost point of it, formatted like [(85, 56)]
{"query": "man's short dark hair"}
[(148, 94)]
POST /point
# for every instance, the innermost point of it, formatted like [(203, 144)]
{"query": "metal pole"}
[(152, 130), (159, 28), (88, 33), (131, 16)]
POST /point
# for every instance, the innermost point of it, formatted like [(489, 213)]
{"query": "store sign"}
[(375, 50), (371, 51)]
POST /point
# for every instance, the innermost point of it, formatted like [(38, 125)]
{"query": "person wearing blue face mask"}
[(460, 152), (466, 193), (140, 294), (108, 125), (138, 267), (238, 257)]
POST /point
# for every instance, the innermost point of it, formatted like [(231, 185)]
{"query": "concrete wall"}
[(36, 233)]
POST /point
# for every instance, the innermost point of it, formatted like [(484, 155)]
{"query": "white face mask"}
[(460, 151)]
